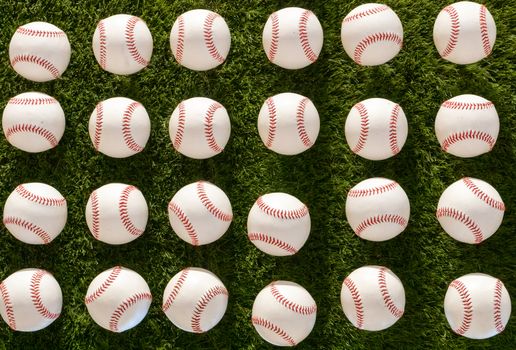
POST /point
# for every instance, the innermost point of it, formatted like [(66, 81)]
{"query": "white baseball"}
[(200, 40), (467, 126), (118, 299), (373, 298), (195, 300), (33, 122), (200, 213), (39, 51), (116, 213), (376, 129), (278, 224), (119, 127), (377, 209), (30, 300), (292, 38), (284, 313), (464, 32), (199, 128), (372, 34), (288, 123), (122, 44), (470, 210), (35, 213), (477, 306)]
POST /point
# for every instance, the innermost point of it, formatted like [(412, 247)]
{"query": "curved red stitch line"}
[(366, 13), (462, 218), (180, 125), (126, 127), (262, 237), (281, 213), (482, 195), (35, 229), (202, 304), (9, 311), (187, 224), (455, 29), (273, 48), (374, 38), (372, 191), (364, 127), (468, 135), (357, 300), (104, 286), (272, 121), (389, 303), (301, 123), (124, 212), (380, 219), (292, 306), (43, 63), (175, 291), (130, 41), (208, 127), (98, 125), (483, 31), (497, 307), (31, 128), (95, 215), (32, 101), (393, 130), (180, 39), (41, 33), (467, 305), (274, 328), (209, 205), (208, 37), (25, 193), (124, 306), (303, 36), (102, 44), (35, 283), (467, 105)]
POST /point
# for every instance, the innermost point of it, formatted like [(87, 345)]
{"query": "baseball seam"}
[(43, 200), (393, 130), (32, 101), (104, 286), (467, 305), (41, 33), (364, 127), (9, 310), (102, 44), (380, 219), (373, 190), (389, 303), (126, 127), (357, 300), (98, 125), (124, 306), (208, 127), (292, 306), (181, 119), (258, 321), (201, 305), (303, 36), (265, 238), (271, 133), (209, 205), (462, 218), (95, 215), (282, 213), (208, 37), (484, 31), (39, 61), (180, 46), (482, 195), (187, 224), (455, 30), (368, 12), (468, 105), (273, 48), (454, 138), (300, 118), (33, 129), (35, 284), (130, 41), (372, 39), (175, 291), (35, 229), (497, 307), (124, 212)]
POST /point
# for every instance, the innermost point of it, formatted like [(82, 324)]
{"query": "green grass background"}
[(423, 257)]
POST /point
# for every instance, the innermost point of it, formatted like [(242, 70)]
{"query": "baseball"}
[(35, 213), (288, 123), (116, 213), (119, 127), (377, 209), (371, 34), (376, 129), (30, 300), (122, 44), (467, 126), (199, 128), (477, 306), (464, 32), (292, 38), (200, 40), (278, 224), (284, 313), (33, 122), (118, 299), (470, 210), (372, 298), (195, 300), (200, 213), (39, 51)]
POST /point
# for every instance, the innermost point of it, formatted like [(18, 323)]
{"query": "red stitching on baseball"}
[(364, 127), (95, 215), (272, 122), (41, 33), (372, 39), (31, 128), (208, 204), (104, 286), (292, 306), (462, 218), (180, 39), (468, 105), (208, 127), (175, 291), (497, 307), (282, 213), (467, 305), (262, 237), (301, 123), (450, 140), (32, 101), (43, 63), (124, 306), (130, 40), (482, 195), (366, 13), (357, 300), (484, 31), (393, 130), (180, 125), (98, 125), (455, 29), (187, 224), (124, 212), (372, 191), (380, 219), (258, 321), (208, 37), (25, 193), (9, 311), (35, 283), (35, 229), (303, 36), (126, 127), (201, 305), (382, 282), (102, 44), (273, 48)]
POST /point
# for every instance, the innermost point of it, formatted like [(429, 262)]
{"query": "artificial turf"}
[(424, 257)]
